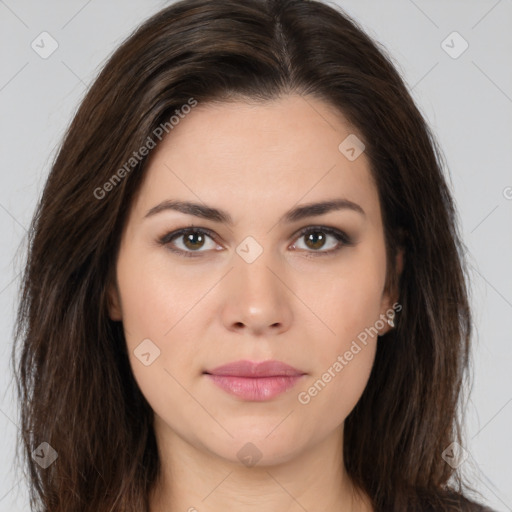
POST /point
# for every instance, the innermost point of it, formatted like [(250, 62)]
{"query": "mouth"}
[(253, 381)]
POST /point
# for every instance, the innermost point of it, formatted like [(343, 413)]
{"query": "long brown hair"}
[(74, 382)]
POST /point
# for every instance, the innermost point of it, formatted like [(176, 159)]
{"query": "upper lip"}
[(270, 368)]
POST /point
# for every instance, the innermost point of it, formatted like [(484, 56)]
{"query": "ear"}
[(390, 297), (114, 303)]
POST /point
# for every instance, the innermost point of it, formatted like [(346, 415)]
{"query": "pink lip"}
[(255, 381)]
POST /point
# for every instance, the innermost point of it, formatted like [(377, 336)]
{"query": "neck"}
[(195, 480)]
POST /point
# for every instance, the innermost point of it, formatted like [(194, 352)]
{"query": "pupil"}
[(189, 240), (316, 237)]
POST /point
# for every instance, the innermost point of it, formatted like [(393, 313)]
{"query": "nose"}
[(256, 298)]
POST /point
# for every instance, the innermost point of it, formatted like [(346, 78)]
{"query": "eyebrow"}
[(293, 215)]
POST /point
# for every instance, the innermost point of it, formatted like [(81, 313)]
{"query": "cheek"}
[(332, 394), (155, 296), (348, 302), (348, 299), (160, 305), (343, 358)]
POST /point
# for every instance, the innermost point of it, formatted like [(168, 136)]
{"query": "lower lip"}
[(257, 389)]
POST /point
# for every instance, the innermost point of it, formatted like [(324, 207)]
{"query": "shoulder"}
[(467, 505), (451, 502), (481, 508)]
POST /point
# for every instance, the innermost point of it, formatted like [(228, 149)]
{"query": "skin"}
[(256, 161)]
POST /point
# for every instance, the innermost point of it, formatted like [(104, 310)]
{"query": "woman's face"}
[(250, 286)]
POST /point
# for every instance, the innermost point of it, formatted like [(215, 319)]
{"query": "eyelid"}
[(168, 237), (337, 233), (344, 240)]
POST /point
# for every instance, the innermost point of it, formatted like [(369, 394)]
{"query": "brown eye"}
[(188, 241), (323, 240), (193, 240), (315, 239)]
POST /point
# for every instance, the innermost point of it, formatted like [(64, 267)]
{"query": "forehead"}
[(256, 155)]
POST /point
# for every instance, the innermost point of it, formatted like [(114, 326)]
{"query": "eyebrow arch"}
[(293, 215)]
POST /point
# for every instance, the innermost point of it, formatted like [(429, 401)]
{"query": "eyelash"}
[(343, 239)]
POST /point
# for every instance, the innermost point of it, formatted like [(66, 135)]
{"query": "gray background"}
[(467, 100)]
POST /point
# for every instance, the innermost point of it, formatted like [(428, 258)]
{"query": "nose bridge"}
[(253, 271), (257, 298)]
